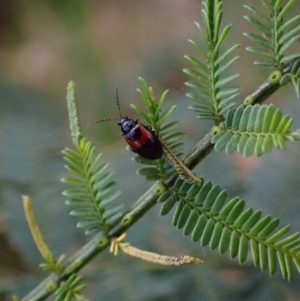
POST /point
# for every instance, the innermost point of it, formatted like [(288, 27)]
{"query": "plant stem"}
[(266, 89)]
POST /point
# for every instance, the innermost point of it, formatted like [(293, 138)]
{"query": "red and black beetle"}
[(141, 138)]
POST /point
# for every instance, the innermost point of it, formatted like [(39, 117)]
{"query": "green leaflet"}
[(157, 117), (213, 96), (254, 130), (276, 35), (209, 218), (294, 75), (71, 289), (92, 194)]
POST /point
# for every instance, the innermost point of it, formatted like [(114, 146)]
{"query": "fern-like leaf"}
[(71, 289), (159, 169), (277, 35), (205, 214), (92, 191), (213, 96), (254, 129)]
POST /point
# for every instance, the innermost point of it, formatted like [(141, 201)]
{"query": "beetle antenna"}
[(102, 120), (117, 98), (109, 119)]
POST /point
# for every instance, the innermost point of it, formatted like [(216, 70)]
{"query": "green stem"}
[(267, 88)]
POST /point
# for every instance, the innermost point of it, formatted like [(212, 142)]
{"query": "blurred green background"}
[(44, 45)]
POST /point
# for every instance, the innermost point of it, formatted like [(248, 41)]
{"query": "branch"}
[(269, 87)]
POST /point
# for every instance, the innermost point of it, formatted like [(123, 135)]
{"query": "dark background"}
[(44, 45)]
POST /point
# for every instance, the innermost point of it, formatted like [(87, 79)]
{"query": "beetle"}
[(141, 138)]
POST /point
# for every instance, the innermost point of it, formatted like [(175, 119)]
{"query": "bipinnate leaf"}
[(254, 130), (209, 218)]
